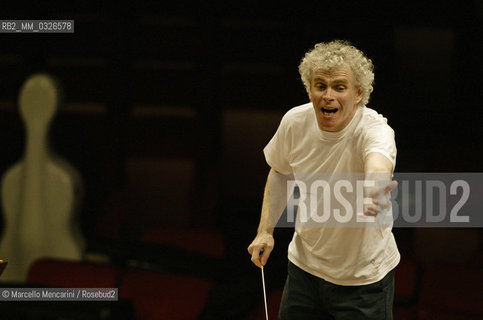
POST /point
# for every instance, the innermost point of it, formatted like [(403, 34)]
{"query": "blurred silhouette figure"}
[(41, 192)]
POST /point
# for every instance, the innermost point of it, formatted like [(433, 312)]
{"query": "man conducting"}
[(334, 272)]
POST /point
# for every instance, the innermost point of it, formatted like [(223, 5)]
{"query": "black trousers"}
[(308, 297)]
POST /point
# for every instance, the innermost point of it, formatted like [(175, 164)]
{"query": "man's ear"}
[(359, 95)]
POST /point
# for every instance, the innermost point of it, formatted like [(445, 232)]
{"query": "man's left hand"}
[(380, 198)]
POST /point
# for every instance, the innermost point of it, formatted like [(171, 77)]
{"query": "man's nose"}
[(328, 95)]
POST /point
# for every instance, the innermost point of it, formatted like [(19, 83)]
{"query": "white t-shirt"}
[(341, 255)]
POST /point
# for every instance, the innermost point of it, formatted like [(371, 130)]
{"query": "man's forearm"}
[(377, 168), (274, 201), (378, 171)]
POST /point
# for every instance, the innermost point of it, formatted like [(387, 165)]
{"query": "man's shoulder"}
[(371, 118), (373, 124), (298, 113)]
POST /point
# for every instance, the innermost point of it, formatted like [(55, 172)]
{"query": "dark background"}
[(168, 106)]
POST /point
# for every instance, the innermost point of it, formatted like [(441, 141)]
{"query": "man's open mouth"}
[(327, 112)]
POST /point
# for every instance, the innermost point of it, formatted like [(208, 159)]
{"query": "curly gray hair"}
[(327, 56)]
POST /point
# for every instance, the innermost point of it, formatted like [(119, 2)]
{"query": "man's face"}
[(335, 98)]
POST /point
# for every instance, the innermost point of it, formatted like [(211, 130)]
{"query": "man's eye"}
[(340, 88), (321, 87)]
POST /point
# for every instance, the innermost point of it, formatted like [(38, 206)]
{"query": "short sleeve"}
[(380, 139), (277, 150)]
